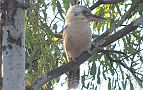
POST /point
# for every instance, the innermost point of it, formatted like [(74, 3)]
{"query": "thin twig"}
[(125, 66), (99, 2), (112, 51)]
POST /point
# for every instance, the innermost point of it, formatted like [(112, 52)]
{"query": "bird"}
[(77, 37)]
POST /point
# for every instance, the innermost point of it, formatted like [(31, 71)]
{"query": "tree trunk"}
[(0, 55), (0, 46), (13, 46)]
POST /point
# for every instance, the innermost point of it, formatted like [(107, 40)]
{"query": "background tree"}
[(0, 49), (120, 63), (12, 44)]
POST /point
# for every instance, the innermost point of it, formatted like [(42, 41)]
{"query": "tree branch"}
[(124, 65), (85, 55), (128, 68), (112, 51), (126, 30), (120, 22), (99, 2), (129, 28)]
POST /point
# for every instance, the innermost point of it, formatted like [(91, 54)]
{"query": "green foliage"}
[(44, 53)]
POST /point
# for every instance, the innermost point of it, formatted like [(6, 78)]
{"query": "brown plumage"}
[(77, 38)]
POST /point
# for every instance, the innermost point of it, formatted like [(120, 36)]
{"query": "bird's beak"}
[(93, 17)]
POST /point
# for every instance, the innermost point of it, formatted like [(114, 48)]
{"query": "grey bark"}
[(13, 46)]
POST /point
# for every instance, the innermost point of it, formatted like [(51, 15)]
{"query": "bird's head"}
[(80, 12)]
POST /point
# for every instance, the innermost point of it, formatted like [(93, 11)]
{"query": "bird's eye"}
[(84, 12)]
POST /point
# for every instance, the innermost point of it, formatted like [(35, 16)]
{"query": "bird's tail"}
[(73, 79)]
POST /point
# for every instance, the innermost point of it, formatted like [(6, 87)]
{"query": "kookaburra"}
[(77, 37)]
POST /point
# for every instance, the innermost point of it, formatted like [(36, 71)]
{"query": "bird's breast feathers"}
[(77, 37)]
